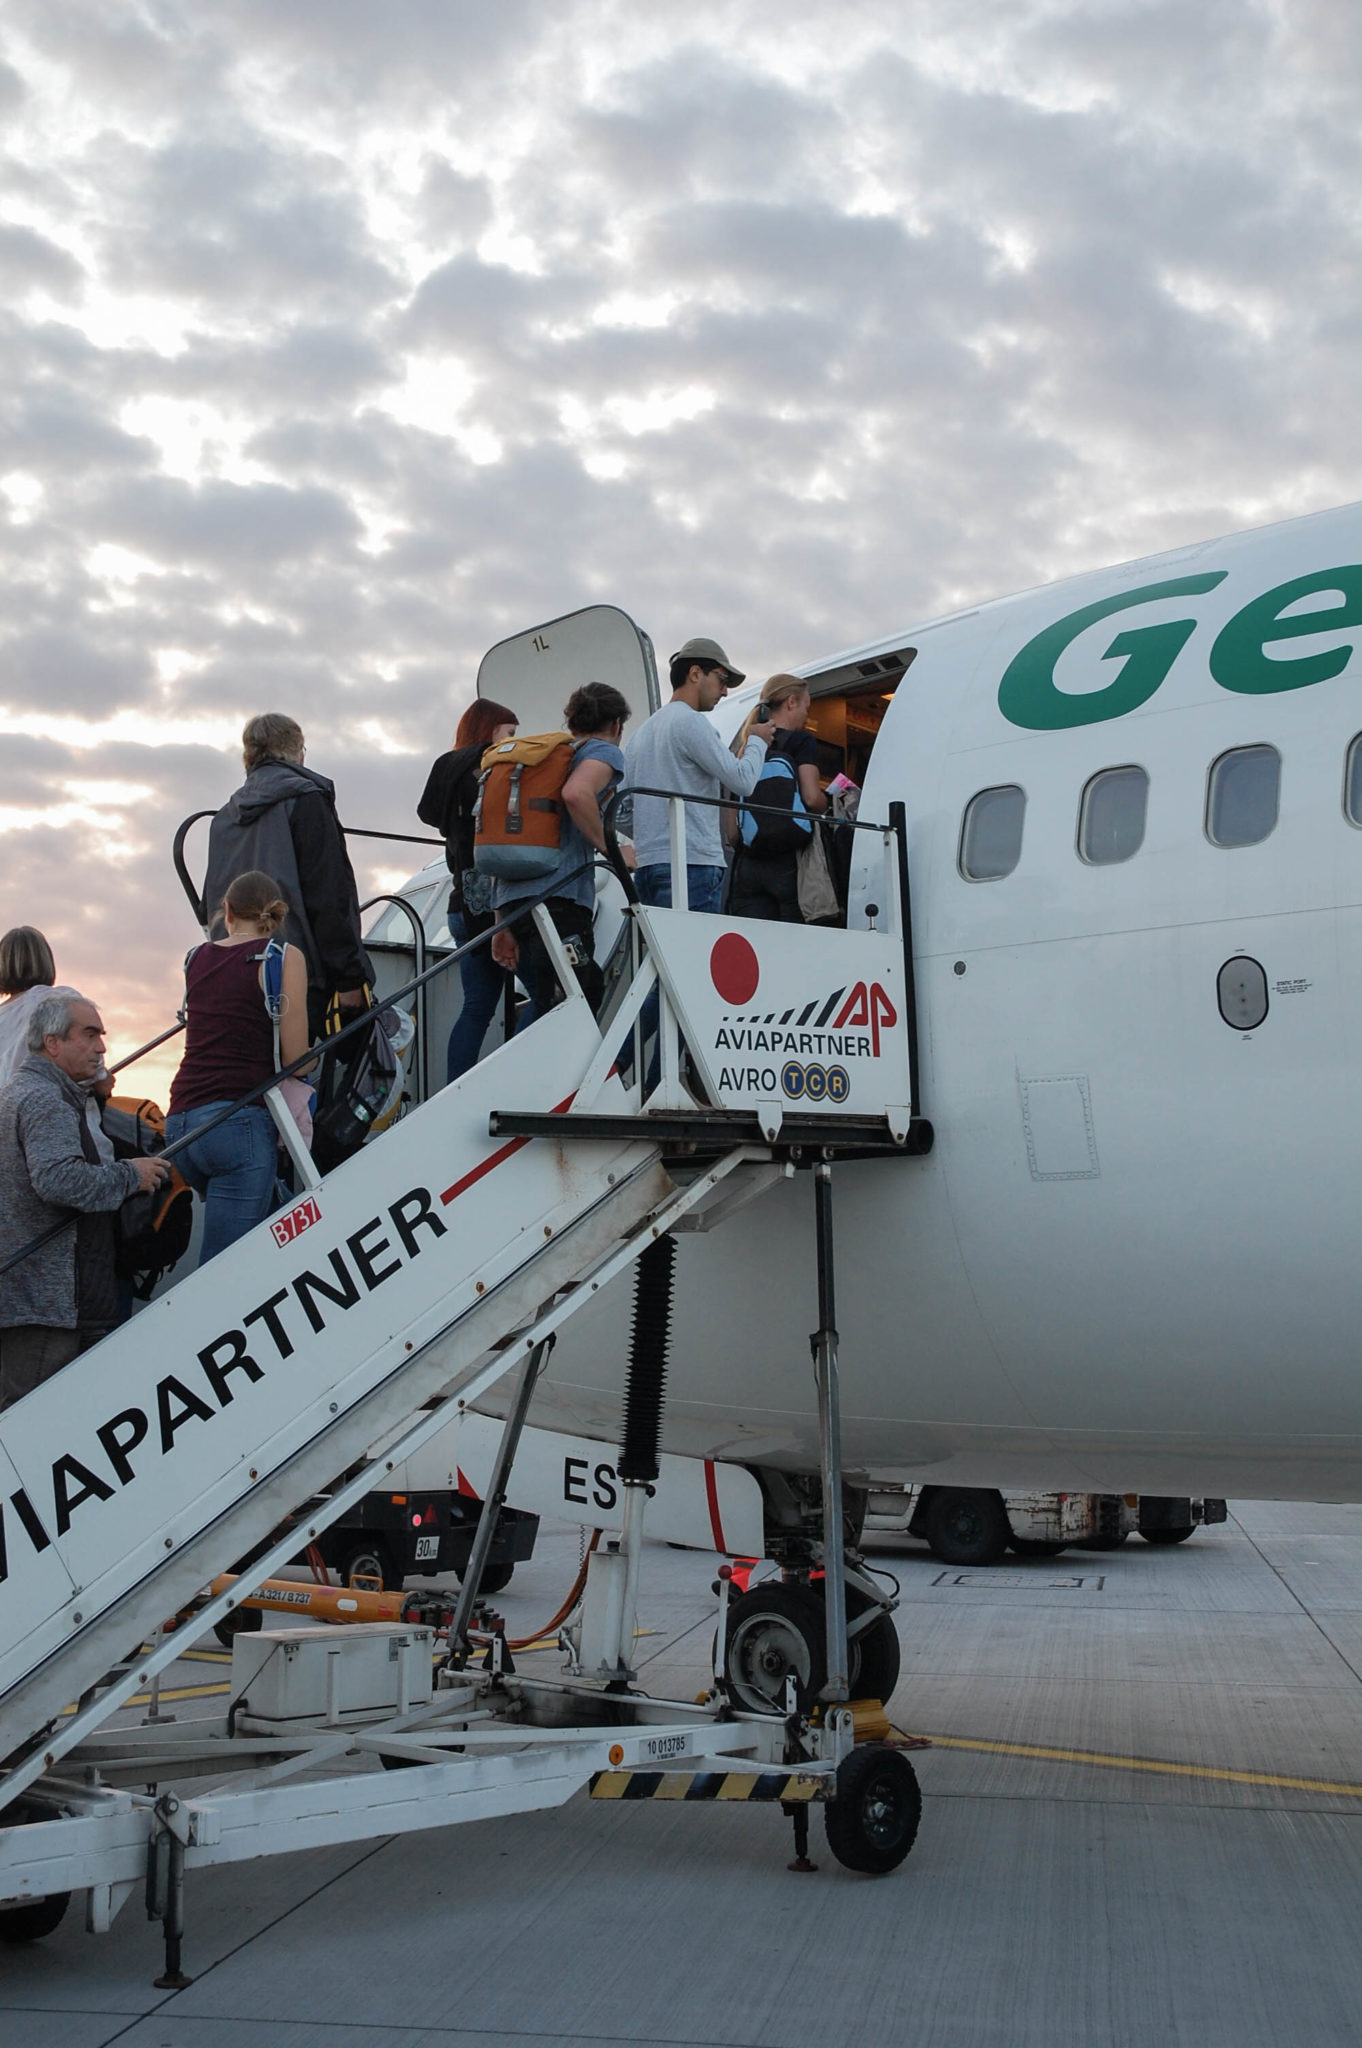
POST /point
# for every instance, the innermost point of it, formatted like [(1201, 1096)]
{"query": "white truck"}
[(976, 1525)]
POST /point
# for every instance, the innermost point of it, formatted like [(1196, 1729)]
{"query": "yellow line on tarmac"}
[(179, 1692), (1144, 1763)]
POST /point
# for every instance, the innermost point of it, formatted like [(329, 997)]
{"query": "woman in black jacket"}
[(447, 804)]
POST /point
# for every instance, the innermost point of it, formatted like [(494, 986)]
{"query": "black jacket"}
[(283, 821), (447, 805)]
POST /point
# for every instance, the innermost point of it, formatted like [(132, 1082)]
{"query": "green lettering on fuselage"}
[(1028, 695), (1238, 660)]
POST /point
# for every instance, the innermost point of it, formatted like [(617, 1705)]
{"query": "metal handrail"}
[(896, 829), (309, 1058), (624, 874), (197, 901), (419, 957), (406, 838), (742, 803), (130, 1059)]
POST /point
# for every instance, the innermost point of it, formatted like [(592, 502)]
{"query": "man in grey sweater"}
[(62, 1297), (678, 749)]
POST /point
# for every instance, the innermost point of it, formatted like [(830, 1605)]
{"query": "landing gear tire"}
[(1031, 1546), (1168, 1535), (775, 1632), (874, 1656), (38, 1918), (370, 1559), (967, 1526), (872, 1823)]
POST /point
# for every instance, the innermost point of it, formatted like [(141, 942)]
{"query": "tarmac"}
[(1142, 1824)]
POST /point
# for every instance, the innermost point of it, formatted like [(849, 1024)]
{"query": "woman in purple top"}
[(228, 1050)]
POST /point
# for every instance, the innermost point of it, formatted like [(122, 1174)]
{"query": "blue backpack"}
[(768, 838)]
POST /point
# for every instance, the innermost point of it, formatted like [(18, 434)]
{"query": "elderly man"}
[(63, 1297), (283, 821)]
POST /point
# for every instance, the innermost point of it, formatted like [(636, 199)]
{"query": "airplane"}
[(1120, 1262), (1134, 803)]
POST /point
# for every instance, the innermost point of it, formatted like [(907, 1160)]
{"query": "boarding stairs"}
[(339, 1336)]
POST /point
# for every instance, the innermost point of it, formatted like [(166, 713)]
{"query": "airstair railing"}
[(300, 1066), (197, 901), (130, 1059), (422, 1021), (894, 834)]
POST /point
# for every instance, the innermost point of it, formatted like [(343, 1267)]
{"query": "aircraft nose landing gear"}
[(775, 1632)]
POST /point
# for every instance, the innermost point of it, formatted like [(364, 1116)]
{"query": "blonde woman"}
[(765, 881), (228, 1050), (28, 974)]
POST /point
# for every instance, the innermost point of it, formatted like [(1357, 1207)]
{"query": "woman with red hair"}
[(447, 804)]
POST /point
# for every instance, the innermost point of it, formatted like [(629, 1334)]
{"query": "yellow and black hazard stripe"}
[(765, 1787)]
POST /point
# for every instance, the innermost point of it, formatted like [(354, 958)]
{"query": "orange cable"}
[(523, 1642)]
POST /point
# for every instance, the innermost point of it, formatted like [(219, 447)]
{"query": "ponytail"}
[(254, 897), (776, 690)]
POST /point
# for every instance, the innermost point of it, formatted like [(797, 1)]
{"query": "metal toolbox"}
[(327, 1676)]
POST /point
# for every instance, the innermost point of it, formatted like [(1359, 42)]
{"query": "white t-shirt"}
[(679, 749)]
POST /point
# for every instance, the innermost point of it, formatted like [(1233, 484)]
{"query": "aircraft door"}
[(535, 672)]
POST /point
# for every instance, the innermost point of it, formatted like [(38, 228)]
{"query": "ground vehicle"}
[(391, 1537), (977, 1525)]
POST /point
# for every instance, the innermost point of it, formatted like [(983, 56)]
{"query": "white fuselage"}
[(1131, 1260)]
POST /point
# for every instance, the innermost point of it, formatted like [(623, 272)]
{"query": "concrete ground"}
[(1143, 1824)]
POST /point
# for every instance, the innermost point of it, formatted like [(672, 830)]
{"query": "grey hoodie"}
[(283, 821)]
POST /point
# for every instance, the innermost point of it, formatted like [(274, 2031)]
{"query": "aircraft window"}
[(1111, 817), (991, 833), (1352, 786), (1242, 796)]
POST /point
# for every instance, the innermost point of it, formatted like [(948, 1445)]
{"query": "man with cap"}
[(678, 749)]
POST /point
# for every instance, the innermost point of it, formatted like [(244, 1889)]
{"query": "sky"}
[(339, 341)]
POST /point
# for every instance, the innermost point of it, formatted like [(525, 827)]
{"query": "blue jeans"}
[(704, 886), (704, 891), (484, 984), (233, 1168)]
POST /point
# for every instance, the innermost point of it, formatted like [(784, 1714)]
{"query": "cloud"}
[(234, 526), (28, 258), (340, 342)]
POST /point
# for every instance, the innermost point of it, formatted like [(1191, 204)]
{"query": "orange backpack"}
[(518, 817)]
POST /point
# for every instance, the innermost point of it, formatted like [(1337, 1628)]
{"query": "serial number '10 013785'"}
[(664, 1749), (300, 1218)]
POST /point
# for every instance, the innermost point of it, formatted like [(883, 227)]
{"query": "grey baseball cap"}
[(709, 653)]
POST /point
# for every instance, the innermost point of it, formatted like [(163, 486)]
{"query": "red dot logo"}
[(734, 969)]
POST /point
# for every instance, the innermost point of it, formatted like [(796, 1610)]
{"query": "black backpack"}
[(766, 837), (154, 1226), (357, 1082)]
